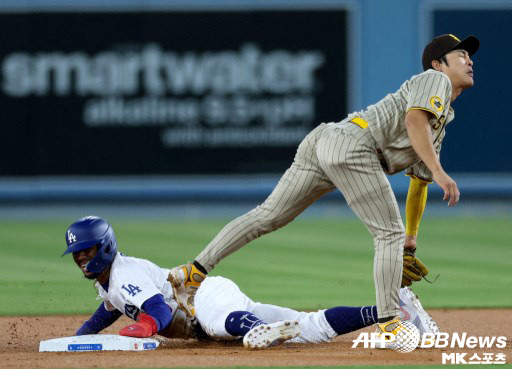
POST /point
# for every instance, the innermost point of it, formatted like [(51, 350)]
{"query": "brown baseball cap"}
[(443, 44)]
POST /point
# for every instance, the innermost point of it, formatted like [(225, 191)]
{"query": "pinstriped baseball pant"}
[(335, 155)]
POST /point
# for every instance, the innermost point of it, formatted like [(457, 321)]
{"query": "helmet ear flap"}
[(108, 247)]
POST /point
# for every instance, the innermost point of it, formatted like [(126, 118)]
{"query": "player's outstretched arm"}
[(420, 135), (100, 320)]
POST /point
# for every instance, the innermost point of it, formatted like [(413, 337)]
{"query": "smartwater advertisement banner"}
[(167, 92)]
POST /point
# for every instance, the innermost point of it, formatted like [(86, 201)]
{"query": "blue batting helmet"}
[(90, 231)]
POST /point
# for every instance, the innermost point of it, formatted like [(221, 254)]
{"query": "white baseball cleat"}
[(412, 310), (272, 334)]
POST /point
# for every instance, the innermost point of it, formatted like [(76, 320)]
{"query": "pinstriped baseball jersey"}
[(420, 170), (430, 91)]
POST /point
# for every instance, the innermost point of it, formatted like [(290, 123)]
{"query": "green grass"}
[(307, 265)]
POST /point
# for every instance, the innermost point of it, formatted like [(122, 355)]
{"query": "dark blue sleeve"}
[(100, 320), (158, 309)]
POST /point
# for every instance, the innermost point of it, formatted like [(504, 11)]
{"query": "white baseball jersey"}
[(132, 281)]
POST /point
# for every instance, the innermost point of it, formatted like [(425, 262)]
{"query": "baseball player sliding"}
[(141, 290), (403, 131)]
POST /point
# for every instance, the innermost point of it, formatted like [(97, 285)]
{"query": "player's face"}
[(459, 69), (83, 257)]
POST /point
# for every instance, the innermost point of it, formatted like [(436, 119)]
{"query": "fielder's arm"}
[(420, 135), (414, 208), (413, 269)]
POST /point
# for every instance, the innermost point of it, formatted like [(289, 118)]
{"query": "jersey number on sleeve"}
[(131, 289)]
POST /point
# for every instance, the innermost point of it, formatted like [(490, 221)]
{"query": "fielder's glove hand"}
[(414, 269)]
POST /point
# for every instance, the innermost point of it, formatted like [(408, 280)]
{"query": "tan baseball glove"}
[(414, 269)]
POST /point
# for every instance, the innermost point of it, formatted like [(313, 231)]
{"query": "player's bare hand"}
[(410, 242), (449, 186)]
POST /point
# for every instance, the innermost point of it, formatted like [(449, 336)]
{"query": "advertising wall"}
[(166, 92)]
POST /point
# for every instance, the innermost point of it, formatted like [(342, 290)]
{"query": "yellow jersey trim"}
[(424, 109)]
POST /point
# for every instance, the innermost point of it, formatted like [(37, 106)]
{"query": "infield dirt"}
[(19, 345)]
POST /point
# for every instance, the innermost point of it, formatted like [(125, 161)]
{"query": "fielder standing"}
[(403, 131)]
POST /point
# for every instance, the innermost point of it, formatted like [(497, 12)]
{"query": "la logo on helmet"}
[(71, 237)]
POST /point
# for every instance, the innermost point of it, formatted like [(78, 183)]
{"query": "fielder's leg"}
[(301, 185), (348, 156)]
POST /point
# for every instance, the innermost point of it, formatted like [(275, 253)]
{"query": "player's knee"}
[(263, 214), (264, 220), (267, 214), (395, 235)]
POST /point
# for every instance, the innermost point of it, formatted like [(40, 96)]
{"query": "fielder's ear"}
[(436, 64)]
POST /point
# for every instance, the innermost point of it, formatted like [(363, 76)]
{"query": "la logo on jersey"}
[(71, 237)]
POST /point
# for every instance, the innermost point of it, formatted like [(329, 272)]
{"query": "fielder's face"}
[(81, 259), (459, 69)]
